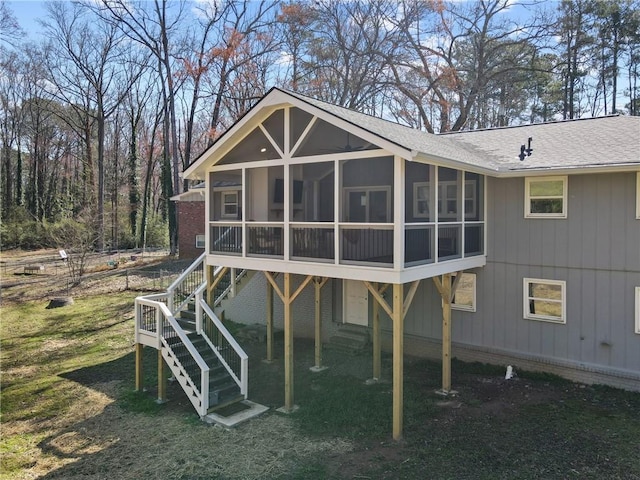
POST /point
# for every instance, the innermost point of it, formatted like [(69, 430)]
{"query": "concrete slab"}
[(284, 409), (253, 410)]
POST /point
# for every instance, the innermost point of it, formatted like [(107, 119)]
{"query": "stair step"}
[(223, 394), (187, 314), (225, 402), (350, 339)]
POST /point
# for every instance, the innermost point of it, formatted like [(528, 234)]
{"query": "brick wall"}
[(190, 224)]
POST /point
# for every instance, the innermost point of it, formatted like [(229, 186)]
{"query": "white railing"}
[(166, 328), (184, 287), (227, 350), (231, 287), (156, 326)]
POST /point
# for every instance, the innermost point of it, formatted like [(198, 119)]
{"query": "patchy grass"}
[(69, 411)]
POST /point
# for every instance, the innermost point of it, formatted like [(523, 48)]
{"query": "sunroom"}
[(301, 194), (302, 187)]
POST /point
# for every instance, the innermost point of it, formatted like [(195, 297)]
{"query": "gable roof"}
[(603, 142)]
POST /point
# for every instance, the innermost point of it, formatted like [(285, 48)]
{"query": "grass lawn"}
[(69, 411)]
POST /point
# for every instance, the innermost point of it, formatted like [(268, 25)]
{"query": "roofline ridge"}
[(551, 122)]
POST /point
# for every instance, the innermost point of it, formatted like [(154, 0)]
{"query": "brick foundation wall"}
[(190, 223)]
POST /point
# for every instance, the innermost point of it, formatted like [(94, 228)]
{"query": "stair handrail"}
[(243, 379), (203, 393), (227, 290), (197, 263)]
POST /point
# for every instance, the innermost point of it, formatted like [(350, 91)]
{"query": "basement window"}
[(545, 197), (465, 297), (545, 300)]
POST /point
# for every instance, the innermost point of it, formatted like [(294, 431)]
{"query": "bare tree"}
[(156, 26), (88, 64), (447, 54)]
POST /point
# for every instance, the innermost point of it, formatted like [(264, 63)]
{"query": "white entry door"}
[(355, 302)]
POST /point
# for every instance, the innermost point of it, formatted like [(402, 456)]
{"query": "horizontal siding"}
[(596, 250)]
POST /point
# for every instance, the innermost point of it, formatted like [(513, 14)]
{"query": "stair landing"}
[(236, 415)]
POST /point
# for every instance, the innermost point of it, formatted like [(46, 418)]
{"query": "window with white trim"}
[(421, 199), (229, 204), (200, 241), (367, 204), (465, 296), (638, 310), (545, 300), (545, 197)]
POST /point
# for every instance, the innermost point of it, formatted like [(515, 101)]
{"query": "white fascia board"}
[(447, 162), (264, 108), (580, 169), (347, 272)]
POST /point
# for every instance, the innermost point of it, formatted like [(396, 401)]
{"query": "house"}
[(190, 205), (516, 245)]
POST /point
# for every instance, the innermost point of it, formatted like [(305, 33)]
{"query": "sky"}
[(27, 12)]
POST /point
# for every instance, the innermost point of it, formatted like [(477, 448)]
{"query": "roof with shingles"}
[(590, 142), (605, 142)]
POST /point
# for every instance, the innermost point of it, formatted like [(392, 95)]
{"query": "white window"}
[(367, 204), (465, 296), (545, 197), (421, 200), (199, 241), (638, 195), (545, 300), (638, 310), (229, 204)]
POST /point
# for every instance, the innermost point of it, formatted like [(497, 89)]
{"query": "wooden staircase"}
[(223, 390), (203, 356)]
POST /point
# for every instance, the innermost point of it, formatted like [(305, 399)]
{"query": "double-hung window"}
[(545, 300), (545, 197), (200, 241), (465, 296), (230, 204)]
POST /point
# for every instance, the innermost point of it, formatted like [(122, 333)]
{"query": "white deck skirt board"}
[(347, 272)]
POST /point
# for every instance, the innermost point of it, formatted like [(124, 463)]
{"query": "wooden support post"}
[(318, 284), (269, 322), (288, 345), (162, 379), (398, 360), (212, 283), (287, 299), (377, 344), (209, 291), (446, 332), (139, 370)]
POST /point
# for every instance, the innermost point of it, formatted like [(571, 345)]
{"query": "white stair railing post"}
[(199, 312), (244, 377), (233, 282), (159, 327), (204, 390), (170, 299)]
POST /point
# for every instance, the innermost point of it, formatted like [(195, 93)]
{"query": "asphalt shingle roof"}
[(590, 142)]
